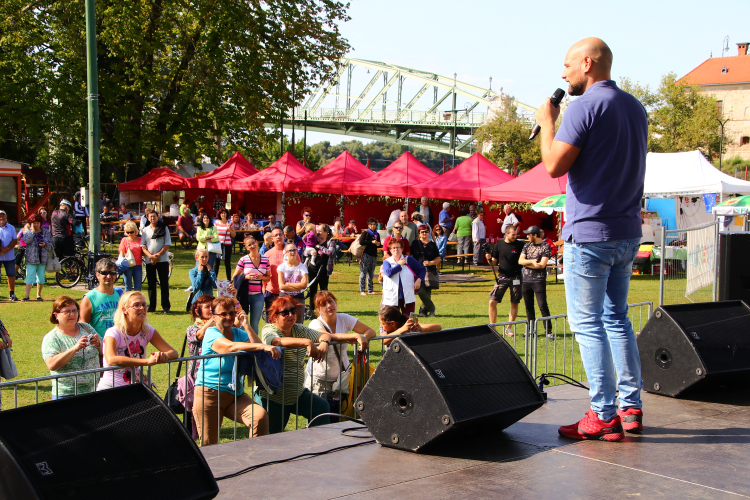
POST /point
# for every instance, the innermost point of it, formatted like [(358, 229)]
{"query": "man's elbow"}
[(554, 169)]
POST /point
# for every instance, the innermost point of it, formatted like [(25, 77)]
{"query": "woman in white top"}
[(292, 276), (320, 377), (125, 343)]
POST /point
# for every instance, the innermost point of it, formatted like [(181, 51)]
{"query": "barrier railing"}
[(560, 356)]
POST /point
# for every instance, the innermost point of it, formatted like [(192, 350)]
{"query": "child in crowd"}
[(310, 241)]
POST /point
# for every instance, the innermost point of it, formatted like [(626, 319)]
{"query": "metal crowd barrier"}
[(560, 356)]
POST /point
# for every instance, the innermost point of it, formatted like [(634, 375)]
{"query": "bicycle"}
[(80, 266)]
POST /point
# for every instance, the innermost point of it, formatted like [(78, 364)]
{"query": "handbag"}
[(171, 398), (191, 296), (364, 372), (453, 237), (214, 247), (122, 264), (53, 263), (341, 385), (431, 280), (130, 258), (356, 248), (8, 368)]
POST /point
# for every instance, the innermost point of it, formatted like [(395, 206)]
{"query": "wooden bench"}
[(468, 259)]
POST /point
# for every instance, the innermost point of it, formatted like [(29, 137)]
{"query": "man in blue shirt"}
[(446, 219), (8, 242), (601, 145)]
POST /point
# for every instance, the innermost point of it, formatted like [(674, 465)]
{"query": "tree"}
[(507, 137), (177, 79), (680, 118)]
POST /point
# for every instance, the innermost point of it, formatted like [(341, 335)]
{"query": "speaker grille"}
[(714, 329), (502, 384), (116, 444)]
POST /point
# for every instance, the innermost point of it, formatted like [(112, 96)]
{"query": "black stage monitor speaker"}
[(121, 443), (695, 346), (734, 266), (433, 385)]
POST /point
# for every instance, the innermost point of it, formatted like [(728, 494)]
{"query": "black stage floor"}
[(689, 449)]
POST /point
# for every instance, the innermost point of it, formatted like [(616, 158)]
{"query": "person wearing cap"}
[(8, 240), (62, 222), (351, 229), (534, 257)]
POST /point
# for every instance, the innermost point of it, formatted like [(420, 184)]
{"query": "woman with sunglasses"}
[(71, 346), (42, 212), (426, 253), (125, 343), (441, 240), (298, 340), (206, 233), (132, 241), (216, 395), (256, 271), (306, 219)]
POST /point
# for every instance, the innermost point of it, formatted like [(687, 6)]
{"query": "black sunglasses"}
[(108, 273), (287, 312), (308, 215)]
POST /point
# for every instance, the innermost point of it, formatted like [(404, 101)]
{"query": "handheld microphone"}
[(555, 99)]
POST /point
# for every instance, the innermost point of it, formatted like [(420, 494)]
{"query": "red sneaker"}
[(632, 419), (590, 427)]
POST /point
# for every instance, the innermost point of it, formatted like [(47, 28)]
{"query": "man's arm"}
[(557, 156)]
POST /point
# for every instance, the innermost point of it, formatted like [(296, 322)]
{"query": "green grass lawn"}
[(457, 305)]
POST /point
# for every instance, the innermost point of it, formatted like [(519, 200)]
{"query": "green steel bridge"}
[(368, 99)]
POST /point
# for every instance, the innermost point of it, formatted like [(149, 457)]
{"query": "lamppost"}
[(721, 139)]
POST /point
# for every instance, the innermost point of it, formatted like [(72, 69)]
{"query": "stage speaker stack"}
[(121, 443), (692, 347), (734, 266), (446, 384)]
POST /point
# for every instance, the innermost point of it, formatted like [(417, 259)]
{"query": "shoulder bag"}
[(8, 368), (171, 398), (53, 263), (357, 248)]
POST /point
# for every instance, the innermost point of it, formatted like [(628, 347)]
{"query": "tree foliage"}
[(177, 78), (381, 154), (680, 118), (507, 137)]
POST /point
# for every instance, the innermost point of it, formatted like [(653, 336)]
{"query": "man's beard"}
[(576, 88)]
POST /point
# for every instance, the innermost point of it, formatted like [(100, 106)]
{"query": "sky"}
[(522, 45)]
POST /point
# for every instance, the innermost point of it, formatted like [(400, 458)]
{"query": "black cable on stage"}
[(314, 454), (561, 377)]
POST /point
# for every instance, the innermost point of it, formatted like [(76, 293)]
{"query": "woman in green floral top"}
[(70, 347)]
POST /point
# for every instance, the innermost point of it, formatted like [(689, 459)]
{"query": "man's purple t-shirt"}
[(605, 183)]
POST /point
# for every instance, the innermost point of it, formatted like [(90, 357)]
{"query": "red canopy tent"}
[(333, 178), (394, 180), (464, 182), (158, 179), (273, 178), (531, 187), (224, 178)]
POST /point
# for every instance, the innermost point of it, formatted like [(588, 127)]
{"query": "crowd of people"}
[(280, 268)]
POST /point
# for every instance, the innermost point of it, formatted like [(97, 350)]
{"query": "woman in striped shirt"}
[(256, 270), (226, 237)]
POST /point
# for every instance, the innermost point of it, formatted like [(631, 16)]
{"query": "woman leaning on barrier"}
[(216, 395), (125, 343), (5, 343), (70, 346), (320, 377), (393, 322), (298, 340)]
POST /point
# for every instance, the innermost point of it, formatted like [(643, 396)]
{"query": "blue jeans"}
[(277, 419), (597, 280), (256, 303), (133, 278)]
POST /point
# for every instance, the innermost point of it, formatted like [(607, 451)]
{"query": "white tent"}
[(683, 174)]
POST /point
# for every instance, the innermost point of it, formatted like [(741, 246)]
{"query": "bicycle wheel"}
[(70, 273), (21, 272)]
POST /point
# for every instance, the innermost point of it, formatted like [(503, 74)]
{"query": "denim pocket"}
[(595, 259)]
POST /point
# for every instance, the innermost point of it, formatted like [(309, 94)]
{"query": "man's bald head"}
[(588, 61)]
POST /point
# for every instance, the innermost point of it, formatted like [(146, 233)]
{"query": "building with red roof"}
[(727, 79)]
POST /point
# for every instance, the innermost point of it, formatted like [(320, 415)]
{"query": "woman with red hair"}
[(306, 219), (298, 340)]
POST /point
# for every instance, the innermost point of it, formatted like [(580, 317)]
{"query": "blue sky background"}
[(521, 45)]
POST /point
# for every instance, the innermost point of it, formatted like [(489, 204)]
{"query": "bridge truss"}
[(396, 104)]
